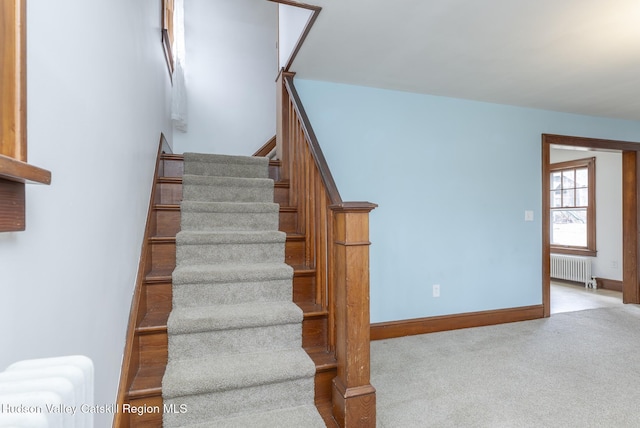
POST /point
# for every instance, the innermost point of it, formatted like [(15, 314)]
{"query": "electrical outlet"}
[(436, 290)]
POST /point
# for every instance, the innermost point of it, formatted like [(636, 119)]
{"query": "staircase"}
[(149, 356), (144, 368), (235, 356)]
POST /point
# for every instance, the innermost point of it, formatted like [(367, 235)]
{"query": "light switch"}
[(528, 215)]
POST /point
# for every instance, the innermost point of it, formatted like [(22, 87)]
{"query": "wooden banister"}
[(337, 248), (312, 140), (266, 148), (312, 19)]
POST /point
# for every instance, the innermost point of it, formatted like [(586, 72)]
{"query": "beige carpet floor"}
[(574, 369)]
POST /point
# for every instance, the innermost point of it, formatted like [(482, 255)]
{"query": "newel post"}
[(353, 396)]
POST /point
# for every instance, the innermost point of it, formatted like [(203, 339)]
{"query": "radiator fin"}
[(571, 268), (48, 387)]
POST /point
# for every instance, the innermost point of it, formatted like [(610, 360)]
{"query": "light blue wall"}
[(453, 179)]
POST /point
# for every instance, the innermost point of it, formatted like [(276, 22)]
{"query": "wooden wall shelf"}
[(14, 175), (15, 170)]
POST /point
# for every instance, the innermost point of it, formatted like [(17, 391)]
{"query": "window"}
[(167, 32), (573, 207), (14, 169)]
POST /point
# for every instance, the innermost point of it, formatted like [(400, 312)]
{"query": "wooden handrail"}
[(314, 146), (314, 15), (266, 148)]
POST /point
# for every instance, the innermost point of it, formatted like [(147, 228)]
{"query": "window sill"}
[(573, 251), (15, 170), (13, 176)]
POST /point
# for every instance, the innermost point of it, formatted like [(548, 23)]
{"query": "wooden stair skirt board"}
[(388, 330), (145, 356)]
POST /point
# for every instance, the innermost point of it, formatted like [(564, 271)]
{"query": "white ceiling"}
[(580, 56)]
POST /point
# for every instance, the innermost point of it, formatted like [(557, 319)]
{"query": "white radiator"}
[(47, 393), (571, 268)]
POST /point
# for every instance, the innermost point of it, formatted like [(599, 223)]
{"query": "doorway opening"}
[(630, 225)]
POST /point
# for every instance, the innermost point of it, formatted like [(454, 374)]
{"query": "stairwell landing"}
[(234, 334)]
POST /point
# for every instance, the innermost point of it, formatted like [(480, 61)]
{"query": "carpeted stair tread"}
[(230, 317), (236, 272), (228, 293), (225, 165), (229, 207), (293, 417), (187, 237), (235, 371), (219, 247), (233, 189), (219, 405), (214, 181), (190, 157), (230, 283), (219, 216)]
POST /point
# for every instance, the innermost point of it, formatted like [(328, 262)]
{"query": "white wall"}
[(291, 23), (231, 67), (98, 96), (608, 262)]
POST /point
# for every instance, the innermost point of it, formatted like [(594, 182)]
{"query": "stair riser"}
[(189, 255), (196, 345), (288, 221), (227, 194), (229, 221), (324, 385), (294, 252), (274, 171), (190, 295), (170, 193), (304, 289), (153, 348), (224, 404), (172, 168), (167, 222), (314, 332), (226, 170), (158, 297), (163, 256), (148, 419), (281, 195)]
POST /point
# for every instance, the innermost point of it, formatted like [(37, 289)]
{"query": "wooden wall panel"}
[(12, 206), (13, 79)]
